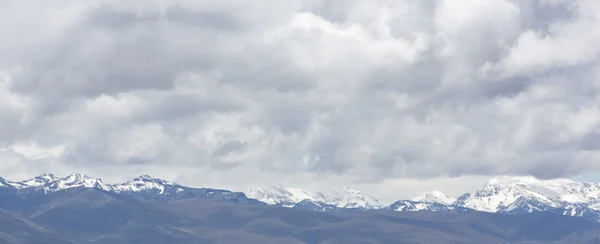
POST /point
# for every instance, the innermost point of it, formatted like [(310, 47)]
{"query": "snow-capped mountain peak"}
[(51, 183), (146, 183), (411, 206), (434, 197), (78, 178), (144, 177), (345, 198), (279, 195), (352, 198), (508, 195), (144, 187), (74, 180), (500, 192), (46, 177), (298, 194), (148, 178), (36, 181)]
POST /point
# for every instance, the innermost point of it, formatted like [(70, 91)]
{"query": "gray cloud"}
[(363, 92)]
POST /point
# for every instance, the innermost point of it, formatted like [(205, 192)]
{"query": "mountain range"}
[(141, 187), (80, 209), (510, 195), (347, 198)]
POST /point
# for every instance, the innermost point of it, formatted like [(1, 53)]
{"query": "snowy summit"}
[(288, 197), (511, 195), (434, 197), (501, 192)]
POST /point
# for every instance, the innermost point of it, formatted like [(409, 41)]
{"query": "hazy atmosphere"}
[(391, 97)]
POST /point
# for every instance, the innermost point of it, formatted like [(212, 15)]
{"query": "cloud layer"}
[(364, 92)]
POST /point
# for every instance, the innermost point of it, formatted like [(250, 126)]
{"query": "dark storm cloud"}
[(367, 90)]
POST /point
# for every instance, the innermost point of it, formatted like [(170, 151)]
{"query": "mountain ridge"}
[(346, 198), (91, 215), (143, 186), (503, 194)]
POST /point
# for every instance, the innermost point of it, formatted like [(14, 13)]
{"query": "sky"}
[(391, 97)]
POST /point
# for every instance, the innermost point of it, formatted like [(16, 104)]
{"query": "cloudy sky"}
[(392, 97)]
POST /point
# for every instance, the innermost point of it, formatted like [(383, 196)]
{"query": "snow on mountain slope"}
[(143, 187), (406, 205), (271, 197), (315, 206), (412, 206), (297, 195), (147, 187), (434, 197), (352, 198), (34, 182), (525, 204), (145, 183), (51, 183), (75, 180), (595, 206), (512, 195), (500, 192), (37, 181), (288, 197)]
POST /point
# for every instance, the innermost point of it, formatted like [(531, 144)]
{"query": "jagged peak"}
[(77, 177), (144, 177), (37, 181), (148, 178), (146, 182), (343, 197), (47, 176), (279, 189), (503, 191), (463, 197), (43, 177), (434, 197), (51, 182)]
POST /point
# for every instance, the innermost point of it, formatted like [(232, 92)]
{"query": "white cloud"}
[(564, 44), (294, 92)]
